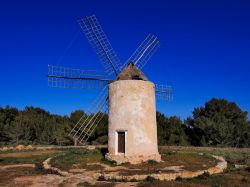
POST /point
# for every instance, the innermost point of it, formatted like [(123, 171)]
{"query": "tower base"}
[(136, 159)]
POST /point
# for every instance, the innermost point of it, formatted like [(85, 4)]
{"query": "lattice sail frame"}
[(63, 77), (164, 92), (87, 124), (144, 52), (99, 41), (60, 71)]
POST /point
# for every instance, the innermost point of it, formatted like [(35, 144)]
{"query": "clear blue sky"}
[(204, 53)]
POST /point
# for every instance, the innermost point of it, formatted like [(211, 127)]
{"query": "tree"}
[(62, 129), (170, 130), (223, 122), (100, 134), (2, 125), (196, 136), (76, 115), (162, 131), (16, 130), (74, 118), (177, 134), (7, 116), (218, 123)]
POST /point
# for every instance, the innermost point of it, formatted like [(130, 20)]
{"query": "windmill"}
[(115, 81)]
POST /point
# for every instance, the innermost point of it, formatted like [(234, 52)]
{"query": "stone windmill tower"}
[(129, 97)]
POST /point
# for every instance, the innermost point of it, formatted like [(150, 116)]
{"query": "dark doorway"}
[(121, 142)]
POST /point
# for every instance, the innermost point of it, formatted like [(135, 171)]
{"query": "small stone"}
[(91, 147), (238, 166)]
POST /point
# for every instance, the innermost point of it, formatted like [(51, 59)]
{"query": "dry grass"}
[(26, 157), (233, 179), (80, 159), (7, 176), (192, 159), (27, 153)]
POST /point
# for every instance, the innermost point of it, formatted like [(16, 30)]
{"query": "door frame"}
[(116, 142)]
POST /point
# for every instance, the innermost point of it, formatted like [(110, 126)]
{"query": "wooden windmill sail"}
[(63, 77)]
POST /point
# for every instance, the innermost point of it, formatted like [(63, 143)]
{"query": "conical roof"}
[(131, 72)]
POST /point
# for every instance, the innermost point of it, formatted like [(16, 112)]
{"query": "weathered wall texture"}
[(132, 109)]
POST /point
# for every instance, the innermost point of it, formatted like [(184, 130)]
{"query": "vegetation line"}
[(219, 123)]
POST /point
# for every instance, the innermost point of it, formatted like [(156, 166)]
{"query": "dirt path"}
[(76, 177), (17, 166)]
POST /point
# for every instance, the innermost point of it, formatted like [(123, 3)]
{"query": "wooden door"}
[(121, 142)]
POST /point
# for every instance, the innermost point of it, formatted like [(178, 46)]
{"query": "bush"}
[(20, 147), (150, 179), (205, 175), (29, 147), (152, 162)]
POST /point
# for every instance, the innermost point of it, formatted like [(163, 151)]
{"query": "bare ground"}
[(27, 175)]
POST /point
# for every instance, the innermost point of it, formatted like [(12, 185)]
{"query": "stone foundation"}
[(135, 159)]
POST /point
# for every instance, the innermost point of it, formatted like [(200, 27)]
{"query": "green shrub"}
[(205, 175), (150, 179), (178, 178), (152, 162)]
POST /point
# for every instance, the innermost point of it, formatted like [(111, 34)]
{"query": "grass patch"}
[(26, 157), (81, 157), (191, 160), (108, 162), (215, 180), (127, 180), (23, 160), (234, 157), (17, 151), (167, 152), (232, 177)]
